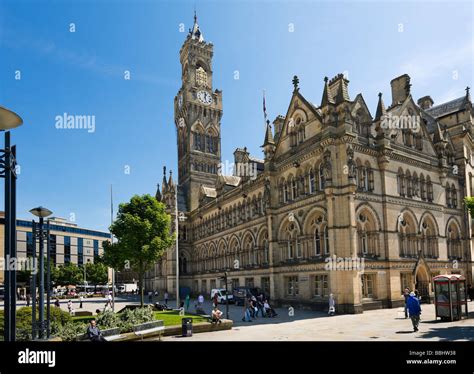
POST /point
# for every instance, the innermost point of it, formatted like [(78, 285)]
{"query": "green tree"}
[(96, 273), (142, 229), (469, 203), (70, 274)]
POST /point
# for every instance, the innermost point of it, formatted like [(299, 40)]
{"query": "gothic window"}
[(326, 240), (321, 178), (401, 182), (429, 188), (454, 197), (409, 184), (368, 236), (201, 77), (290, 244), (286, 193), (448, 196), (312, 185), (454, 241), (416, 185), (294, 188), (422, 187), (317, 242), (408, 240)]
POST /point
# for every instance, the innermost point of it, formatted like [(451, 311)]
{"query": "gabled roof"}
[(230, 180), (449, 107)]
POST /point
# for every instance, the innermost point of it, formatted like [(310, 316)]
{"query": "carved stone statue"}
[(327, 165)]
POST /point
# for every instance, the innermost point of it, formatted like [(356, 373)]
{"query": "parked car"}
[(221, 295), (241, 293)]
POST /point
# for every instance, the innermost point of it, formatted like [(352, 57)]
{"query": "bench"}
[(149, 328), (206, 316), (108, 334)]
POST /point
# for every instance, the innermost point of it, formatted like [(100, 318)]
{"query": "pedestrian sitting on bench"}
[(93, 332), (216, 315)]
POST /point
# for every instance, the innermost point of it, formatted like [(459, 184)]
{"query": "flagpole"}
[(111, 242)]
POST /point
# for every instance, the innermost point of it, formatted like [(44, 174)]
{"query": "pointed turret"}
[(170, 181), (468, 94), (195, 32), (269, 143), (158, 192), (326, 94), (164, 185), (380, 109)]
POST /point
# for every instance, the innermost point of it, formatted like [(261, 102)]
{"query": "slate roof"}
[(449, 107)]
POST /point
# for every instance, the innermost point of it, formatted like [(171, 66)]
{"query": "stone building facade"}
[(343, 202)]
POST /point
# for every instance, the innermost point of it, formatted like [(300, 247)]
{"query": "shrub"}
[(24, 316), (70, 330), (107, 320)]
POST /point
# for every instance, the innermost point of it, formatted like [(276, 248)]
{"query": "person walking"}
[(56, 303), (406, 295), (246, 316), (150, 297), (414, 310), (166, 297), (332, 305), (28, 298), (81, 299), (215, 300), (187, 302)]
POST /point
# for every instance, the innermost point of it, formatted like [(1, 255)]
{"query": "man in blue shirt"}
[(414, 310)]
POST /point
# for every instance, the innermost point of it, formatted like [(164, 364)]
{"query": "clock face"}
[(204, 97)]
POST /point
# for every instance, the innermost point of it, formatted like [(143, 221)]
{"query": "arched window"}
[(312, 186), (368, 236), (454, 196), (291, 248), (454, 242), (286, 193), (317, 242), (401, 182), (422, 187), (294, 188), (322, 179), (429, 188), (326, 240)]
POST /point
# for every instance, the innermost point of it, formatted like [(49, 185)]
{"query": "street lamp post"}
[(40, 233), (9, 120)]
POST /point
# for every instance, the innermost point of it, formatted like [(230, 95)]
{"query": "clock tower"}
[(198, 112)]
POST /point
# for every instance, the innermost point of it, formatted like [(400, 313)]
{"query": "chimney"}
[(400, 89), (425, 102)]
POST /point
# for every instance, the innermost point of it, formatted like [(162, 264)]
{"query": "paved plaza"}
[(306, 325)]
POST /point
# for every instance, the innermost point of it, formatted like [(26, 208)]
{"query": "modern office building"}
[(69, 243)]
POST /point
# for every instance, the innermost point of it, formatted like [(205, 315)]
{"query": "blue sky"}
[(267, 42)]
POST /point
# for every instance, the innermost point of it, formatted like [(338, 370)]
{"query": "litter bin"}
[(187, 326)]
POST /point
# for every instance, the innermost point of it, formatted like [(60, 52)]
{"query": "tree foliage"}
[(142, 229)]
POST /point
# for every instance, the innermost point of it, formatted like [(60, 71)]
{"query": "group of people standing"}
[(253, 305)]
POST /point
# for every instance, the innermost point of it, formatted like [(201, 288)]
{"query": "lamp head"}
[(41, 212), (8, 119)]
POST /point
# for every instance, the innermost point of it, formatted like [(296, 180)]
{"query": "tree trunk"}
[(142, 274)]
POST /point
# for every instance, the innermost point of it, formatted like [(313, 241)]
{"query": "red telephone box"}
[(450, 296)]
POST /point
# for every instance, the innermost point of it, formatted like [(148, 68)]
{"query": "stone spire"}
[(268, 135), (380, 109), (326, 94), (468, 94), (164, 184), (158, 192), (269, 143), (170, 181), (195, 32)]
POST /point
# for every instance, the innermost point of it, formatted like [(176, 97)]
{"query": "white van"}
[(221, 295)]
